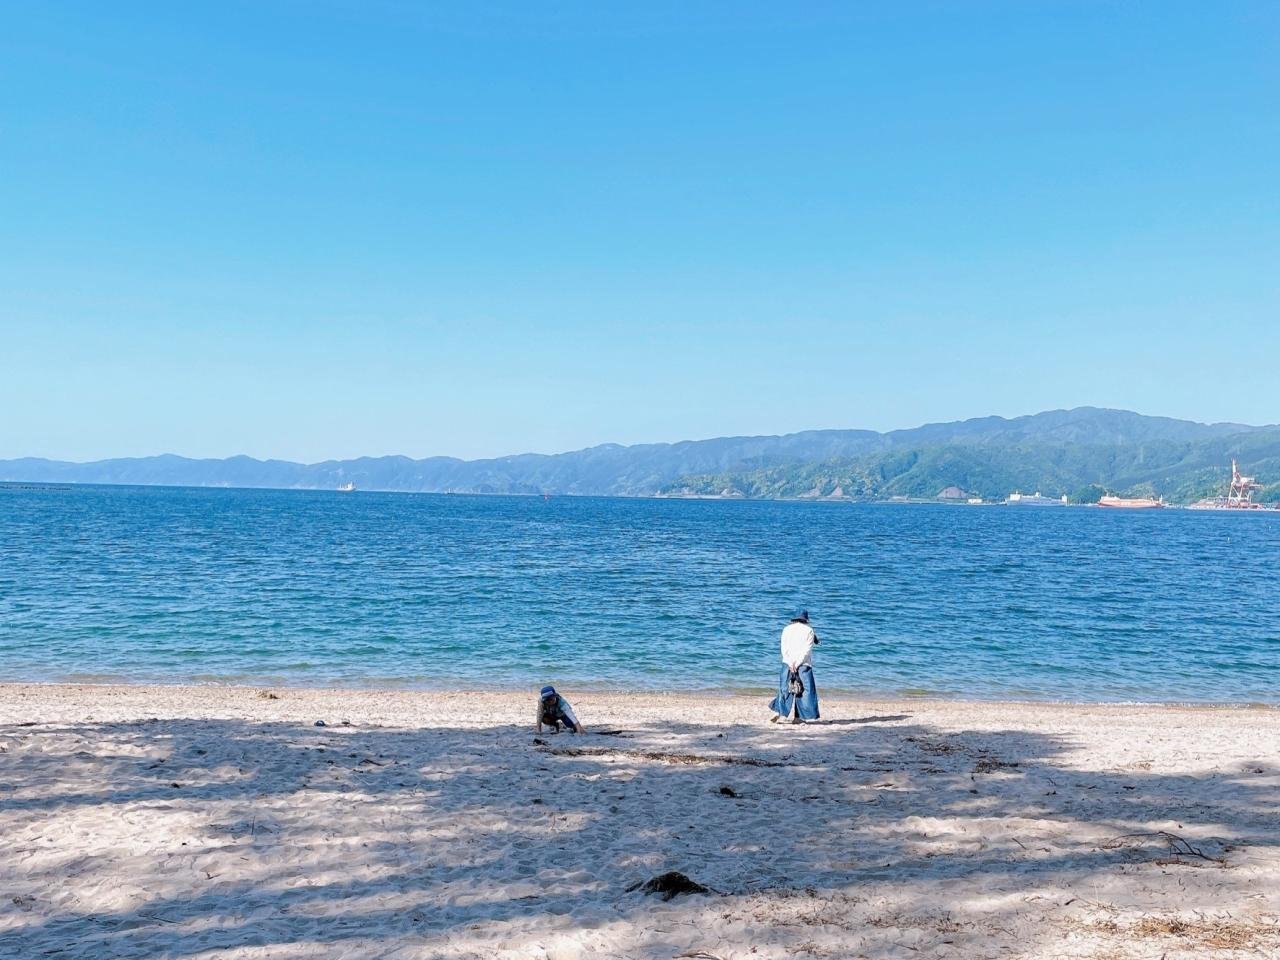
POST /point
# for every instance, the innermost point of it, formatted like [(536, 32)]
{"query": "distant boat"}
[(1131, 503), (347, 487), (1034, 500)]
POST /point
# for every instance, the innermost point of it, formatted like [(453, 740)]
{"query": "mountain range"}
[(1073, 452)]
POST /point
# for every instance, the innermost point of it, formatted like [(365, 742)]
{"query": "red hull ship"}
[(1131, 503)]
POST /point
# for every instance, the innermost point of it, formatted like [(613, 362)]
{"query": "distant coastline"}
[(71, 486), (1081, 454)]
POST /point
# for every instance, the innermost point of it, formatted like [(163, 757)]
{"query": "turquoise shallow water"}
[(262, 586)]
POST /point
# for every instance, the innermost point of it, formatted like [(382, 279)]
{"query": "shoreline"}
[(693, 694)]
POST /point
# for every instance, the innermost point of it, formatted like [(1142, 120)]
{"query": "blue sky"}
[(327, 229)]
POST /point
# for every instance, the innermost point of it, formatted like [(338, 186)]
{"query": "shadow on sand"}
[(200, 836)]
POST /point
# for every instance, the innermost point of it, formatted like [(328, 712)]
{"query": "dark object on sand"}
[(320, 723), (670, 885)]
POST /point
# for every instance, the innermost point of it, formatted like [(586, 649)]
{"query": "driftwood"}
[(1178, 846), (989, 764)]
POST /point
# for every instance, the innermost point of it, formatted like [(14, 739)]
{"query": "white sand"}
[(206, 822)]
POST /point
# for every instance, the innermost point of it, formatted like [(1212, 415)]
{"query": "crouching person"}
[(554, 710)]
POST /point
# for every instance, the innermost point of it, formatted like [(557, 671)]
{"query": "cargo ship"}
[(1033, 500), (1131, 503)]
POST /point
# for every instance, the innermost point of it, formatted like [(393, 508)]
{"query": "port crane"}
[(1240, 496)]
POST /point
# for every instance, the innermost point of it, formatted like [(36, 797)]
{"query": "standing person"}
[(797, 696)]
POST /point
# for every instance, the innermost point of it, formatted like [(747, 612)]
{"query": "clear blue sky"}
[(326, 229)]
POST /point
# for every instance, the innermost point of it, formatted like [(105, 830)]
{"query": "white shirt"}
[(797, 644)]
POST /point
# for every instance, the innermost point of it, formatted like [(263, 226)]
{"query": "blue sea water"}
[(143, 584)]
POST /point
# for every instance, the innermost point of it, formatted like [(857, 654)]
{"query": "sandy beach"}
[(202, 822)]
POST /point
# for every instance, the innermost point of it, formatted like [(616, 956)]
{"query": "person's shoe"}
[(796, 720), (775, 718)]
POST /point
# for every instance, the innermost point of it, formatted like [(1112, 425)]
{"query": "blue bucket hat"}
[(802, 616), (548, 691)]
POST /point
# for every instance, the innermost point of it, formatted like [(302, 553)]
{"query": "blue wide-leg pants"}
[(783, 703)]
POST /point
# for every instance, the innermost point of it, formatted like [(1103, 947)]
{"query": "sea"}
[(445, 592)]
